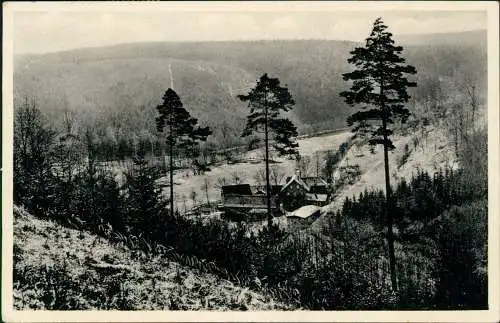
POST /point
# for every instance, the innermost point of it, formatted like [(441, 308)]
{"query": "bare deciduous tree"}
[(221, 181), (260, 177), (183, 198), (194, 195), (276, 174), (317, 161), (303, 164), (205, 187), (237, 177), (472, 94)]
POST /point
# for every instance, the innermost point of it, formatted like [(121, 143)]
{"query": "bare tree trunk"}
[(171, 166), (388, 211), (91, 171), (461, 125), (473, 99), (317, 164), (152, 148), (206, 185), (268, 193), (390, 238)]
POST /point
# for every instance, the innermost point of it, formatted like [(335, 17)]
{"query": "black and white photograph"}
[(289, 161)]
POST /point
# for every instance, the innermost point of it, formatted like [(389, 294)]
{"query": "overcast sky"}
[(41, 32)]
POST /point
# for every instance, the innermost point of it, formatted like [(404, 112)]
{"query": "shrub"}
[(142, 201)]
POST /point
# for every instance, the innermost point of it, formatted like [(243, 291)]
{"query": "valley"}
[(115, 89), (94, 130)]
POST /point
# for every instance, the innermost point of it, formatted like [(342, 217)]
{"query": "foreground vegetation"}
[(57, 268)]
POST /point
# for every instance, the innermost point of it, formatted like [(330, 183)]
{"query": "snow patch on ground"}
[(430, 155), (150, 281), (186, 182)]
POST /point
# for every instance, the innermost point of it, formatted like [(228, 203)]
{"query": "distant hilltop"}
[(104, 83)]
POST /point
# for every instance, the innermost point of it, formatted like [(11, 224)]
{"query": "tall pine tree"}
[(183, 132), (265, 101), (380, 87)]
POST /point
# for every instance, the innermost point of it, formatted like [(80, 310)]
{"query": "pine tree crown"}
[(379, 85), (268, 93), (184, 129)]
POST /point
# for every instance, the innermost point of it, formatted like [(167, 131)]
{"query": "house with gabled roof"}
[(245, 201)]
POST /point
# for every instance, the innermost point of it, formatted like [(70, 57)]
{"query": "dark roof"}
[(239, 189), (312, 197), (246, 189), (261, 189), (298, 180), (314, 181), (248, 201)]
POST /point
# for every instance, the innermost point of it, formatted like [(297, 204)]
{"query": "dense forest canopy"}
[(114, 88)]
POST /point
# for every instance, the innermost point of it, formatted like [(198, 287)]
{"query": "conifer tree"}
[(109, 200), (85, 200), (380, 87), (266, 100), (143, 198), (183, 132)]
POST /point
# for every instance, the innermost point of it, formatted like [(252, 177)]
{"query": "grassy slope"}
[(429, 156), (147, 284), (437, 153)]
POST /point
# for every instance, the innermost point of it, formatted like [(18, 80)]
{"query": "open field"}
[(429, 155), (186, 182)]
